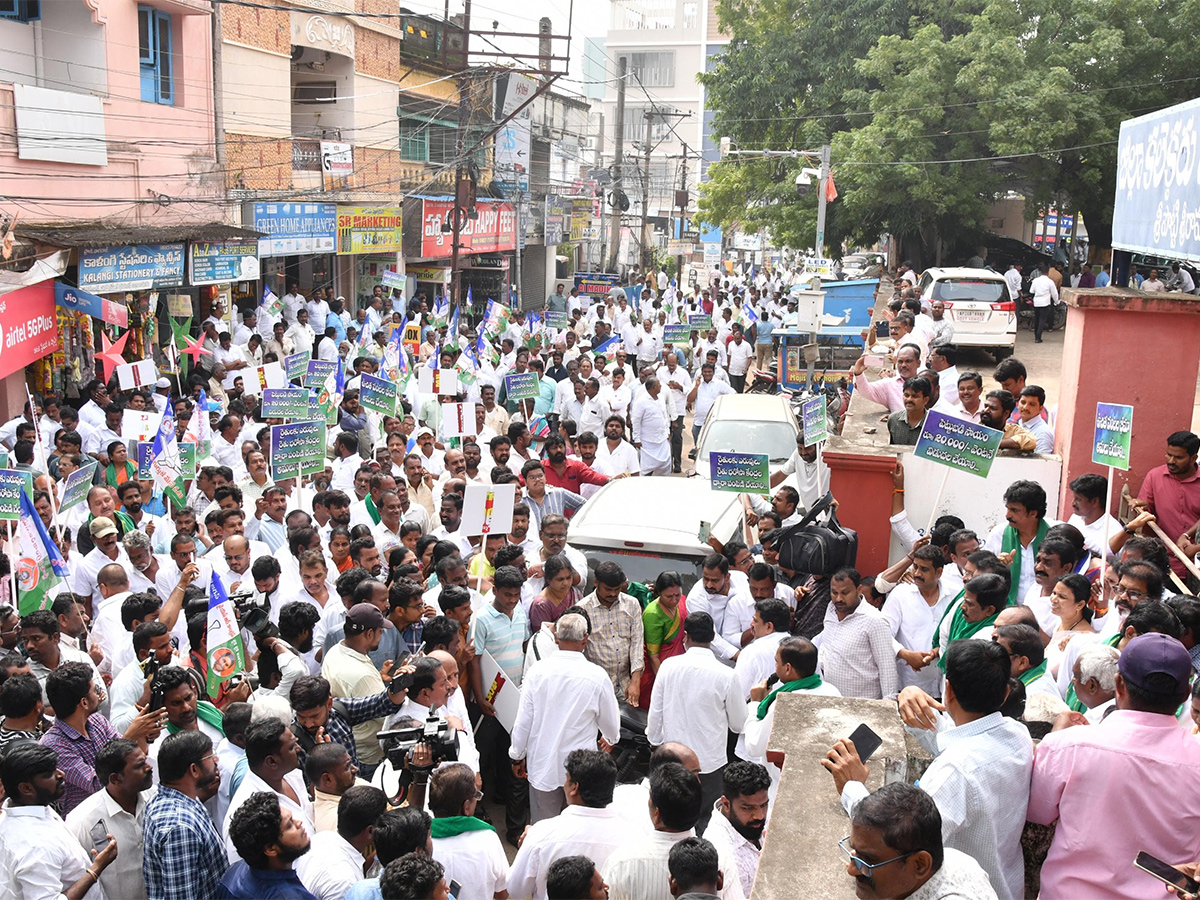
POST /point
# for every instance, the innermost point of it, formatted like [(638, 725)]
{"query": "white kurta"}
[(652, 429)]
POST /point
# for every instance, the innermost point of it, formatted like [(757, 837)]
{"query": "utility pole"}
[(646, 256), (614, 236), (682, 212), (822, 182), (464, 195)]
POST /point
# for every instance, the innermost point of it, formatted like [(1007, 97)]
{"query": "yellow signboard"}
[(368, 229)]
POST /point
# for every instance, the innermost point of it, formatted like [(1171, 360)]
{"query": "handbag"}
[(817, 549)]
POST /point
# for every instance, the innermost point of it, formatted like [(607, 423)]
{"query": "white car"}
[(977, 303), (652, 525), (748, 423)]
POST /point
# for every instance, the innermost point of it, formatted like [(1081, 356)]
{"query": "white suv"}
[(978, 304)]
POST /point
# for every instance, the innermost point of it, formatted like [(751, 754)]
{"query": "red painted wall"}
[(863, 486)]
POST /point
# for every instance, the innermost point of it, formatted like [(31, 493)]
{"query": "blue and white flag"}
[(40, 566), (166, 465)]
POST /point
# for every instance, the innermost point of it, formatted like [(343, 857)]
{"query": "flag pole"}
[(37, 432)]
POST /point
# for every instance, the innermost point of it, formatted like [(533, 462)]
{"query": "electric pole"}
[(646, 257), (822, 183), (464, 194), (683, 201), (614, 235)]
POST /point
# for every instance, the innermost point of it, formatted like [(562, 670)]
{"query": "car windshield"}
[(644, 567), (776, 439), (958, 289)]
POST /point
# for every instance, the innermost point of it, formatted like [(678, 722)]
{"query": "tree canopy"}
[(934, 108)]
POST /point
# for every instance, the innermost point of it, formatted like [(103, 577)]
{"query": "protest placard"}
[(958, 444), (557, 318), (259, 379), (297, 449), (318, 371), (132, 376), (12, 483), (745, 473), (458, 419), (501, 691), (145, 454), (1114, 428), (677, 334), (137, 425), (296, 365), (700, 321), (285, 403), (816, 420), (522, 386), (488, 508), (437, 381), (77, 485), (377, 394)]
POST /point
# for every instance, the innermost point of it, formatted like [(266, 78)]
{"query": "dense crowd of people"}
[(354, 756)]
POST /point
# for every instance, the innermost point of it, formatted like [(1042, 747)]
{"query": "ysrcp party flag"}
[(395, 360), (199, 428), (166, 465), (39, 564), (226, 655), (330, 395)]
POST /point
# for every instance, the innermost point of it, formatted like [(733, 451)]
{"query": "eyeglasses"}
[(867, 868), (478, 796), (1139, 596)]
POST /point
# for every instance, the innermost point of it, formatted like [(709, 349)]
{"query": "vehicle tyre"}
[(1002, 353)]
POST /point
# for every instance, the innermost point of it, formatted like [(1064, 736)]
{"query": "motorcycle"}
[(632, 752)]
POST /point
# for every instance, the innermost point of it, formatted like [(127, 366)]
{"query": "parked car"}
[(748, 423), (978, 303), (651, 525), (857, 265)]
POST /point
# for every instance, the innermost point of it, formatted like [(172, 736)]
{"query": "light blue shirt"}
[(334, 321), (1102, 280), (367, 889)]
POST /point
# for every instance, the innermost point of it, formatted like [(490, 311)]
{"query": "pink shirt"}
[(1175, 503), (887, 392), (1130, 783)]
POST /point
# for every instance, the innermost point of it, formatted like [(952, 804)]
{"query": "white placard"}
[(139, 426), (131, 376), (271, 375), (503, 693), (437, 381), (458, 420), (488, 508)]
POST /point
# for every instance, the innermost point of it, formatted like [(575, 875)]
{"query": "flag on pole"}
[(496, 316), (608, 349), (329, 398), (748, 313), (226, 655), (39, 564), (166, 466), (199, 428), (395, 360), (271, 303), (456, 319)]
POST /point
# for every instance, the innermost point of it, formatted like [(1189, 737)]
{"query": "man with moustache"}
[(567, 473), (739, 818), (997, 407)]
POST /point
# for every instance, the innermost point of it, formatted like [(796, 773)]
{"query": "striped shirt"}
[(502, 637), (556, 501), (616, 642)]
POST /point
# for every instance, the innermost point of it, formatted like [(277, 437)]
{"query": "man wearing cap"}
[(351, 673), (162, 393), (1128, 784), (106, 549)]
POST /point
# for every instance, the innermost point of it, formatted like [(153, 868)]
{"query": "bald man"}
[(632, 801), (456, 705)]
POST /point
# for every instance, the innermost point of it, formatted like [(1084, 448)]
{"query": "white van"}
[(977, 303)]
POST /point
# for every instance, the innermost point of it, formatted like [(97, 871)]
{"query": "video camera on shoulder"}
[(254, 614), (398, 743)]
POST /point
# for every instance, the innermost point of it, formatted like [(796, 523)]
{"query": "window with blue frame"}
[(154, 50), (21, 10)]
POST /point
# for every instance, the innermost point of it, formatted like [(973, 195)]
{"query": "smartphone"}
[(865, 741), (99, 835), (705, 532), (881, 330), (455, 888), (1166, 873)]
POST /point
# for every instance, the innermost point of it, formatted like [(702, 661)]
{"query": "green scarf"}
[(1010, 541), (960, 629), (1072, 698), (804, 684), (121, 519), (1029, 676), (950, 610), (455, 825), (206, 713), (371, 509)]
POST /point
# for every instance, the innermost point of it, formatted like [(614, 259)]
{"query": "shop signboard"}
[(558, 219), (581, 217), (596, 284), (223, 262), (28, 326), (140, 267), (294, 228), (492, 231), (337, 165), (368, 229), (432, 274), (76, 300)]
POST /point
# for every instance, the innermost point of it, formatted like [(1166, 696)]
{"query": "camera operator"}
[(130, 690)]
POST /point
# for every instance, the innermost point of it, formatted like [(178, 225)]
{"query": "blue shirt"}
[(244, 883), (334, 321), (183, 853), (763, 331), (1102, 280), (367, 889)]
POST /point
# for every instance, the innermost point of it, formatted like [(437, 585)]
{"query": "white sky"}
[(589, 19)]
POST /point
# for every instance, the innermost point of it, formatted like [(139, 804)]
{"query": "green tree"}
[(951, 104)]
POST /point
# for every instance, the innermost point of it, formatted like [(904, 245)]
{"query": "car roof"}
[(964, 272), (752, 407), (662, 514)]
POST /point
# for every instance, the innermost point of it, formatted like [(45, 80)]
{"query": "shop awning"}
[(93, 234)]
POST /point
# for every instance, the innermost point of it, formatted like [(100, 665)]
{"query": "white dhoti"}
[(652, 429), (656, 458)]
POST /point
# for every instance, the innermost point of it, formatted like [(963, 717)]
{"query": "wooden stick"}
[(1174, 548)]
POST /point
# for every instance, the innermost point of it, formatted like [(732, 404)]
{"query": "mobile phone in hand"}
[(1166, 873), (99, 835), (865, 741)]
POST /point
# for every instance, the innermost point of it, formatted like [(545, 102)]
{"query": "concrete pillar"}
[(1125, 346), (863, 486)]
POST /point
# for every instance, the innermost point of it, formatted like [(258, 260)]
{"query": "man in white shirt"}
[(914, 611), (740, 351), (469, 848), (715, 593), (697, 701), (769, 627), (588, 826), (565, 700), (812, 477), (739, 819), (617, 454), (1013, 278), (1045, 293), (983, 761), (346, 462), (677, 380), (704, 393), (943, 360), (1088, 495), (293, 300), (653, 427), (857, 655), (336, 858), (231, 358), (301, 333)]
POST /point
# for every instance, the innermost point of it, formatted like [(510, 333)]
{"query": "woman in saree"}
[(662, 624), (119, 469)]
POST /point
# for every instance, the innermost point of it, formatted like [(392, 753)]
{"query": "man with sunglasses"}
[(895, 850)]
